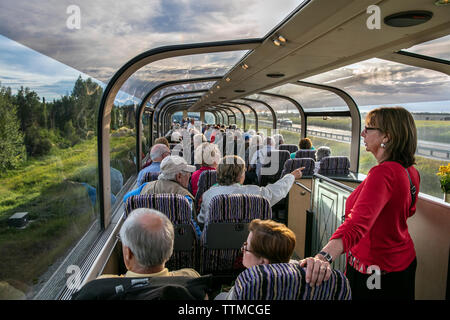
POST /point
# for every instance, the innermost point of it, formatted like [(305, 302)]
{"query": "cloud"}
[(113, 32)]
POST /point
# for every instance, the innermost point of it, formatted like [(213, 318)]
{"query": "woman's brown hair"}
[(399, 126), (230, 170), (305, 143), (272, 240)]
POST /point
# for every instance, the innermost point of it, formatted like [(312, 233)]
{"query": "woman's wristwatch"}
[(327, 256)]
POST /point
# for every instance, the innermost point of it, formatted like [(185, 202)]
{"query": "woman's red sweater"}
[(375, 229)]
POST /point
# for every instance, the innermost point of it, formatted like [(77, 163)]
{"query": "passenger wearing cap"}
[(174, 178)]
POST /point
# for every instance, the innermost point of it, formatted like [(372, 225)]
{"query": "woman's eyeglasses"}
[(369, 129), (244, 247)]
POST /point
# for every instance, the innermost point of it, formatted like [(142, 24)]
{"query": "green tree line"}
[(30, 127)]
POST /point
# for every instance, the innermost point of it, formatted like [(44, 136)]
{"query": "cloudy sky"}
[(40, 49), (112, 32)]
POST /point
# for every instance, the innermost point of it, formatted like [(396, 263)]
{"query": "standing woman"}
[(375, 232)]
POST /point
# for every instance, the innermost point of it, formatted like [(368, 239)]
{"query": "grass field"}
[(60, 209)]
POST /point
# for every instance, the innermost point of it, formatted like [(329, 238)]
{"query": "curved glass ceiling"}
[(377, 82), (98, 37), (180, 68), (311, 99), (438, 48)]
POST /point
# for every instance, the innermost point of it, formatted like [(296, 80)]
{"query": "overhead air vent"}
[(275, 75), (239, 90), (408, 19)]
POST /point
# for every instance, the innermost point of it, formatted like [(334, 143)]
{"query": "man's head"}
[(159, 152), (175, 168), (147, 237)]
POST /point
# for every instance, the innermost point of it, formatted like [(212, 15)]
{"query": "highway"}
[(428, 149)]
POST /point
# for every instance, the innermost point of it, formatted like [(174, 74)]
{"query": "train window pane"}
[(123, 156), (437, 48), (157, 96), (48, 171), (425, 93), (333, 132), (180, 68), (312, 99), (110, 35)]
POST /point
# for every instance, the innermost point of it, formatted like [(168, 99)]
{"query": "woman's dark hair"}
[(399, 126)]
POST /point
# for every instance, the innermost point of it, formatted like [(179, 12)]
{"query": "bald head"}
[(149, 234), (159, 152)]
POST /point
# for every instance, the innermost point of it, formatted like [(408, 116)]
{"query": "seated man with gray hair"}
[(147, 237), (321, 153), (157, 154), (174, 178)]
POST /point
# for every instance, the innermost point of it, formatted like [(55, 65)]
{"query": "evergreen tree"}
[(12, 148)]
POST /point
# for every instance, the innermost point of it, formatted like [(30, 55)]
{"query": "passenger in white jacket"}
[(231, 175)]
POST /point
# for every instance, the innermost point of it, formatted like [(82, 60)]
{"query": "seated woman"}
[(208, 155), (304, 144), (268, 242), (230, 177)]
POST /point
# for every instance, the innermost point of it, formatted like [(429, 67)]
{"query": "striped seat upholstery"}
[(220, 248), (306, 154), (150, 176), (206, 180), (274, 164), (177, 208), (287, 281), (289, 147), (292, 164), (334, 166)]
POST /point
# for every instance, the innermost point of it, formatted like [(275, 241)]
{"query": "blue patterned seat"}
[(289, 147), (274, 164), (292, 164), (334, 166), (206, 180), (176, 207), (150, 176), (226, 230), (286, 281), (306, 154)]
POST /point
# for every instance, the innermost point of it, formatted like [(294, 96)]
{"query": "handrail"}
[(334, 182), (301, 185)]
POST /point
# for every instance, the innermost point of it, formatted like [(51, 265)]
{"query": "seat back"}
[(150, 176), (289, 147), (306, 154), (292, 164), (177, 208), (273, 166), (287, 281), (206, 180), (172, 145), (334, 166), (152, 288), (226, 230)]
